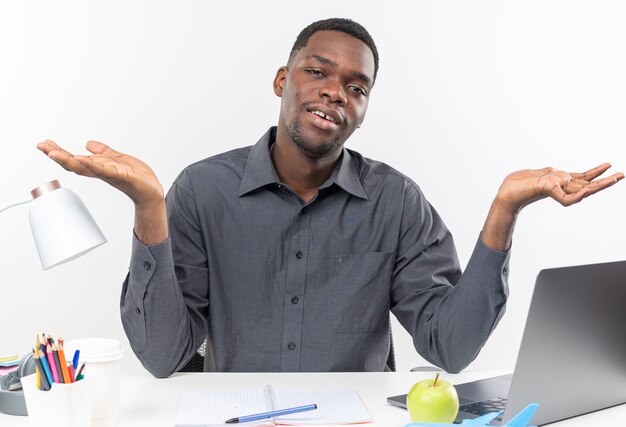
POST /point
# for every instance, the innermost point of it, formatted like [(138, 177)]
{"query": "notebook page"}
[(333, 407), (201, 408)]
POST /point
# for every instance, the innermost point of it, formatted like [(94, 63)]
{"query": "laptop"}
[(572, 358)]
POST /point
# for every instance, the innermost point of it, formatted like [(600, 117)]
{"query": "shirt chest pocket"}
[(358, 298)]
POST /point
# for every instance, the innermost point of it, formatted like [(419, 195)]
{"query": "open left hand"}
[(524, 187), (126, 173)]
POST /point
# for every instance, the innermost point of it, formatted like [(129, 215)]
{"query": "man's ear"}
[(279, 80)]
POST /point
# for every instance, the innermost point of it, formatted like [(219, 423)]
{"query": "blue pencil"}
[(271, 414), (46, 369)]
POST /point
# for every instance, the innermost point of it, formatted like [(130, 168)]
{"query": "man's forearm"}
[(151, 222), (154, 314), (498, 229)]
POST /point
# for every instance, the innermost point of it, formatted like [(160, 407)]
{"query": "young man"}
[(288, 255)]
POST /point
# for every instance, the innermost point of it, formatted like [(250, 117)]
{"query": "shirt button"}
[(138, 310), (298, 254), (147, 265), (291, 346), (340, 260), (294, 300)]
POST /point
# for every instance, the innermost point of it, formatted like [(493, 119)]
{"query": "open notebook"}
[(201, 408)]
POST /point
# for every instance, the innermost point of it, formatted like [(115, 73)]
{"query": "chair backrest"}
[(391, 357), (196, 364)]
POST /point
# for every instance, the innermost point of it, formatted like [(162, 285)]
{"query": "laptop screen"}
[(572, 358)]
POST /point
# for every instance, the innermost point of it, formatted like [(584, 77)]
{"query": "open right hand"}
[(126, 173)]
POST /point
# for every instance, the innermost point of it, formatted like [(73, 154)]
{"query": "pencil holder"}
[(103, 358), (64, 405)]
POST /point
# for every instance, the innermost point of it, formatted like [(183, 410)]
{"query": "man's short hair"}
[(343, 25)]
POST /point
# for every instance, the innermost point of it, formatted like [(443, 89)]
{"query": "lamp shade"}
[(62, 226)]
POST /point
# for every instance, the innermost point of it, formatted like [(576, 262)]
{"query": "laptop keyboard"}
[(485, 407)]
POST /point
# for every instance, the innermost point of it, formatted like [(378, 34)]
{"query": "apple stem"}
[(436, 378)]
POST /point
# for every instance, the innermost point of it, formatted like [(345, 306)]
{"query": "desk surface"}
[(151, 402)]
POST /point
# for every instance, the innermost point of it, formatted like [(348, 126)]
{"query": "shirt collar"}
[(347, 176), (259, 170)]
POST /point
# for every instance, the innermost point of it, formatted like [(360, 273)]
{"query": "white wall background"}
[(468, 91)]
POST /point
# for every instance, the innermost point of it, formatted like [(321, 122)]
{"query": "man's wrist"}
[(151, 222), (498, 229)]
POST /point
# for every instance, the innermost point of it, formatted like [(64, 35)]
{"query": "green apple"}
[(433, 401)]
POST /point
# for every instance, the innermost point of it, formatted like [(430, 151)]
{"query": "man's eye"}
[(315, 72), (358, 90)]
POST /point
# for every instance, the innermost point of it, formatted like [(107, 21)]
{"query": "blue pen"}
[(271, 414), (75, 359)]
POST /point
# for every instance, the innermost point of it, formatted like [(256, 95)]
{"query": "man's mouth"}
[(322, 115)]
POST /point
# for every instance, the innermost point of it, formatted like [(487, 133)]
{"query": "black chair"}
[(391, 357), (196, 364)]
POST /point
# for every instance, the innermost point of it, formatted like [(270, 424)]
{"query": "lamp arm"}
[(8, 205)]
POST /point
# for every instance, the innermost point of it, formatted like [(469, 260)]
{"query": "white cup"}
[(103, 364), (64, 405)]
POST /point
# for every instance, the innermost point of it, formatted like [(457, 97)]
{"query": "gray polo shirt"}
[(281, 285)]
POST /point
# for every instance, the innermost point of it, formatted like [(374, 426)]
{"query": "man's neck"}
[(300, 172)]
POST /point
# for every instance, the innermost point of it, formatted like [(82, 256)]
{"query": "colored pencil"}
[(79, 374), (66, 373), (55, 353), (52, 364), (71, 369), (46, 368), (42, 344), (44, 383)]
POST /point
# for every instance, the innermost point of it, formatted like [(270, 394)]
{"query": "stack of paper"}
[(8, 364)]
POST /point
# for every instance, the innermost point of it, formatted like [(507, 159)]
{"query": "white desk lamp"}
[(62, 226), (63, 230)]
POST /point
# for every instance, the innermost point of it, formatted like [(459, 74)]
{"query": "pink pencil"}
[(53, 365)]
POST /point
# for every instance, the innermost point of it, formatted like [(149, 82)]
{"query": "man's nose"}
[(334, 92)]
